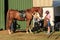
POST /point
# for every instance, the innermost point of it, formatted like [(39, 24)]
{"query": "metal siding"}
[(2, 23), (20, 5)]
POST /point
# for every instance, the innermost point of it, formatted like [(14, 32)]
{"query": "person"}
[(36, 17), (14, 25), (48, 16)]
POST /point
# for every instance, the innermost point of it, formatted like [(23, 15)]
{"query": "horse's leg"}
[(27, 23), (8, 25), (30, 29), (30, 26)]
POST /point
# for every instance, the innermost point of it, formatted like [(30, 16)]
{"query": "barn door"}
[(20, 5), (2, 20)]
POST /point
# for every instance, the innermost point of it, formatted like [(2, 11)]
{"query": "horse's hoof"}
[(9, 33), (27, 32), (31, 32)]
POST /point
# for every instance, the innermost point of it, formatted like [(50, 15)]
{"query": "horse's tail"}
[(7, 18), (8, 14)]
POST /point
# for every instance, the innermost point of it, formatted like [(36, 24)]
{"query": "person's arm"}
[(48, 17)]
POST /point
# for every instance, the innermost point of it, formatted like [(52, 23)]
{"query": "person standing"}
[(14, 25), (36, 18), (48, 16)]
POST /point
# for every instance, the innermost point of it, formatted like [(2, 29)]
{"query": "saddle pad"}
[(22, 14)]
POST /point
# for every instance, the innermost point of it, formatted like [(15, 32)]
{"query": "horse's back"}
[(37, 8)]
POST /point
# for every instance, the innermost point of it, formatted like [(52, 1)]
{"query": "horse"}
[(15, 14)]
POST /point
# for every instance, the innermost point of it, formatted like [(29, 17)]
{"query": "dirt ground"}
[(31, 36)]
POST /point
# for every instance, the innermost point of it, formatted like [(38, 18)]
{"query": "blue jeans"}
[(49, 24)]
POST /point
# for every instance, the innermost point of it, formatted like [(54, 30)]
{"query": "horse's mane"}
[(21, 11), (28, 10)]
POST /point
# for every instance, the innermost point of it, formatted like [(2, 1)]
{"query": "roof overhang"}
[(56, 3)]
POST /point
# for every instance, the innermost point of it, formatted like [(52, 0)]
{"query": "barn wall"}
[(19, 4), (2, 21)]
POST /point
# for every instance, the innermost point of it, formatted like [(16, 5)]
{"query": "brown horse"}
[(14, 14)]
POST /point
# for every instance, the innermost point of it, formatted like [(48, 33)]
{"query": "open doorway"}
[(57, 18), (5, 10), (57, 13)]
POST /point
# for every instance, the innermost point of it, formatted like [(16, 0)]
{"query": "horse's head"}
[(37, 14), (37, 9)]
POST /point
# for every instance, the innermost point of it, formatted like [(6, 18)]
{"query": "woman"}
[(48, 16)]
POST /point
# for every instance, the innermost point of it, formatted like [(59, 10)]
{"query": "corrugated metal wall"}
[(20, 5), (2, 23)]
